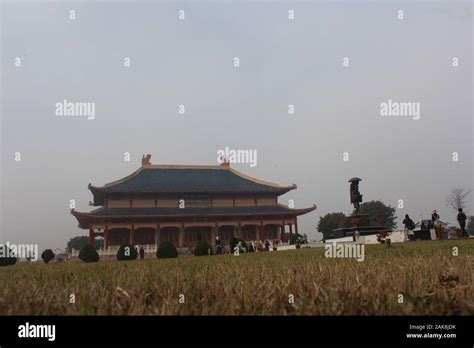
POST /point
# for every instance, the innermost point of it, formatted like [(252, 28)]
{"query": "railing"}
[(149, 248), (112, 250)]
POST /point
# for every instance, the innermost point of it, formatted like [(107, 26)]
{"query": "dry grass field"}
[(431, 279)]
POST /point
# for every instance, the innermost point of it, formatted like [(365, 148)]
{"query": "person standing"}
[(462, 222), (218, 245), (434, 216), (233, 244), (409, 226), (142, 253), (356, 236)]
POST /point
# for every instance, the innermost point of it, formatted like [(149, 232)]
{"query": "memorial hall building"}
[(184, 204)]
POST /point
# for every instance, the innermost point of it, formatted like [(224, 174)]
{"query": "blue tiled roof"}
[(190, 211), (188, 179)]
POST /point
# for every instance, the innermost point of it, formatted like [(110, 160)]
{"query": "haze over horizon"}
[(190, 62)]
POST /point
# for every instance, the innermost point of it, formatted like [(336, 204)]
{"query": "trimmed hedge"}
[(166, 250), (294, 238), (88, 254), (202, 249), (47, 255), (127, 252), (4, 259)]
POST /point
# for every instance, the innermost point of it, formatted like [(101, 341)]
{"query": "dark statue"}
[(357, 225), (356, 197)]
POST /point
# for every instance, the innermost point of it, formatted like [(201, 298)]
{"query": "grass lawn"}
[(430, 278)]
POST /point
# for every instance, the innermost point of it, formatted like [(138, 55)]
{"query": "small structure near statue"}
[(356, 224)]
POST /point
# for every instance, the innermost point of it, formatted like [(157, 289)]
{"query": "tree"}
[(78, 242), (380, 213), (298, 239), (458, 198), (470, 225), (330, 222)]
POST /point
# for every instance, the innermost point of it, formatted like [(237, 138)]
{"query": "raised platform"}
[(353, 223)]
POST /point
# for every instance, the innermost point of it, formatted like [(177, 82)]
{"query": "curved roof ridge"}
[(158, 166), (149, 168), (259, 181), (146, 211), (183, 166), (129, 176)]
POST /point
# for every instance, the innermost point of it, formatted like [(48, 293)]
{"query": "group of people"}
[(234, 242), (435, 220)]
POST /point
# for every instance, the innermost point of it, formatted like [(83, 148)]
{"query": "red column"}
[(106, 237), (132, 235), (262, 235), (296, 226), (91, 235), (282, 234)]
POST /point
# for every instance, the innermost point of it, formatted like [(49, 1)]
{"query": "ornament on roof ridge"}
[(146, 160)]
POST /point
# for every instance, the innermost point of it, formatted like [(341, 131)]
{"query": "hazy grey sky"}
[(190, 62)]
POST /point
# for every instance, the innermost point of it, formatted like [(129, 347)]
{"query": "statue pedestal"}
[(355, 222)]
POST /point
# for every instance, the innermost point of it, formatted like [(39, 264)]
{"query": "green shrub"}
[(127, 252), (47, 255), (202, 249), (6, 257), (88, 254), (166, 250), (297, 239)]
